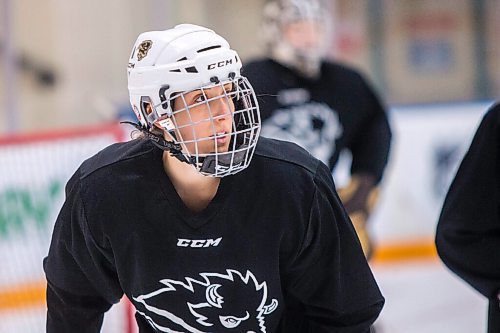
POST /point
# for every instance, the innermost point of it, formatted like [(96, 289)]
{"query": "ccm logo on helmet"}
[(220, 64), (198, 242)]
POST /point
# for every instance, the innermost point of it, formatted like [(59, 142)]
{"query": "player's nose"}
[(221, 108)]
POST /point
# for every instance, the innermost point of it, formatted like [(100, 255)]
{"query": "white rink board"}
[(32, 320), (34, 175), (428, 144), (34, 172)]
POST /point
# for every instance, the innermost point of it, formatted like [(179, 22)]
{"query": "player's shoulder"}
[(257, 67), (115, 154), (493, 113), (342, 69), (286, 156), (257, 63), (490, 120)]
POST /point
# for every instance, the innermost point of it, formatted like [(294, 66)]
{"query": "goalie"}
[(321, 105)]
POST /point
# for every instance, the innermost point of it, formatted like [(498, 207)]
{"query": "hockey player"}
[(196, 236), (323, 106), (468, 231)]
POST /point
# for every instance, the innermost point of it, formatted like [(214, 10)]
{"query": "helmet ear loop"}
[(163, 121), (147, 111), (164, 127)]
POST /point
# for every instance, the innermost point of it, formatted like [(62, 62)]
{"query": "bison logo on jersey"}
[(313, 126), (215, 302)]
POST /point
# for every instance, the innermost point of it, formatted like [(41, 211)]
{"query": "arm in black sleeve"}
[(81, 281), (371, 146), (468, 231), (328, 285)]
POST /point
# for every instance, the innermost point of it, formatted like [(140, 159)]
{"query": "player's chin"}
[(220, 148)]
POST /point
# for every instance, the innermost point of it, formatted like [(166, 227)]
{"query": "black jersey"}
[(468, 232), (273, 252), (337, 111)]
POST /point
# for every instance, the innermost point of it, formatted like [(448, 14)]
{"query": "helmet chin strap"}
[(175, 149), (210, 164), (223, 160)]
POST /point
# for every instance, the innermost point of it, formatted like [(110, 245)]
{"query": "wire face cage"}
[(217, 126)]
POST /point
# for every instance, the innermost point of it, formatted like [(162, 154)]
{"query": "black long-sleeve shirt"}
[(336, 111), (468, 231), (273, 252)]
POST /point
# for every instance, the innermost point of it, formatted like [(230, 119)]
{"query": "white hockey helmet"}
[(167, 65), (297, 32)]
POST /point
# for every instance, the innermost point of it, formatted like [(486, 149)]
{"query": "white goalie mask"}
[(297, 33), (186, 82)]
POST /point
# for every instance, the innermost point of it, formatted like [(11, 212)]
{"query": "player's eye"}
[(200, 98)]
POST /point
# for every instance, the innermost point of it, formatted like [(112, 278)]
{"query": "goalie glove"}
[(359, 197)]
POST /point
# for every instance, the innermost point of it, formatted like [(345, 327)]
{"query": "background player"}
[(323, 106)]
